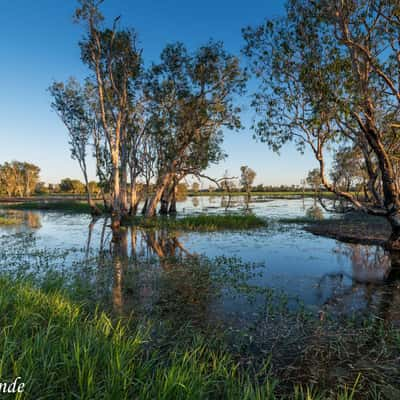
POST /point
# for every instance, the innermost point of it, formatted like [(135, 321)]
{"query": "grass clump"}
[(71, 207), (205, 223)]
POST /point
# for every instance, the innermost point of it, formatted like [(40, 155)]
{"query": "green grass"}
[(78, 207), (61, 352), (206, 223)]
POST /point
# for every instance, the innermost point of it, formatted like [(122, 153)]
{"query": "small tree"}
[(195, 187), (246, 179), (314, 180)]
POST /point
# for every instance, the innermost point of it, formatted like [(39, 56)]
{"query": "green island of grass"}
[(204, 223)]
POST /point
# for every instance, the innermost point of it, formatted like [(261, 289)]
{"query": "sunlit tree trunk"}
[(115, 204), (124, 175), (93, 207)]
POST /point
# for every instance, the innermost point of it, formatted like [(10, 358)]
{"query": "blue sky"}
[(40, 44)]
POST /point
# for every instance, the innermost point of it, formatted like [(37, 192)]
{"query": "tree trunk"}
[(394, 240), (134, 200), (164, 201), (172, 207), (93, 208), (124, 178), (152, 208), (115, 203), (145, 205)]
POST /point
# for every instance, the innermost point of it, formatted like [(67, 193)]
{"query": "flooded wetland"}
[(274, 294)]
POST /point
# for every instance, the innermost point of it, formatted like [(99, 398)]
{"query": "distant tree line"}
[(18, 179)]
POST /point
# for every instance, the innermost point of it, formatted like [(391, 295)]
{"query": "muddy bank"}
[(353, 228)]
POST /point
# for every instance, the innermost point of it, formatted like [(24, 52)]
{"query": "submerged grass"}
[(205, 223)]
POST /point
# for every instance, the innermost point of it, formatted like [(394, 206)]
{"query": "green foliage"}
[(74, 186), (191, 97), (63, 353)]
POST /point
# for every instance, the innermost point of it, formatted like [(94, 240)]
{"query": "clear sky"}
[(39, 44)]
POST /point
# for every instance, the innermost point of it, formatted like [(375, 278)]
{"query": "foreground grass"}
[(60, 352), (205, 223), (78, 207)]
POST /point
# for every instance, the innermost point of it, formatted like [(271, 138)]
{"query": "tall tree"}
[(115, 60), (18, 178), (329, 73), (191, 99)]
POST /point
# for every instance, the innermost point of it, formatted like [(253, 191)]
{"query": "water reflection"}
[(154, 273), (24, 219), (315, 212), (370, 286), (207, 277)]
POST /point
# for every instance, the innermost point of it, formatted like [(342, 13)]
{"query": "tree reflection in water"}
[(153, 274), (374, 278)]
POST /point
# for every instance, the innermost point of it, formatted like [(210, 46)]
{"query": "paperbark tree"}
[(329, 73), (18, 178), (191, 99), (113, 57)]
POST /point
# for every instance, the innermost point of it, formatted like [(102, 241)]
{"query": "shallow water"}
[(321, 273)]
